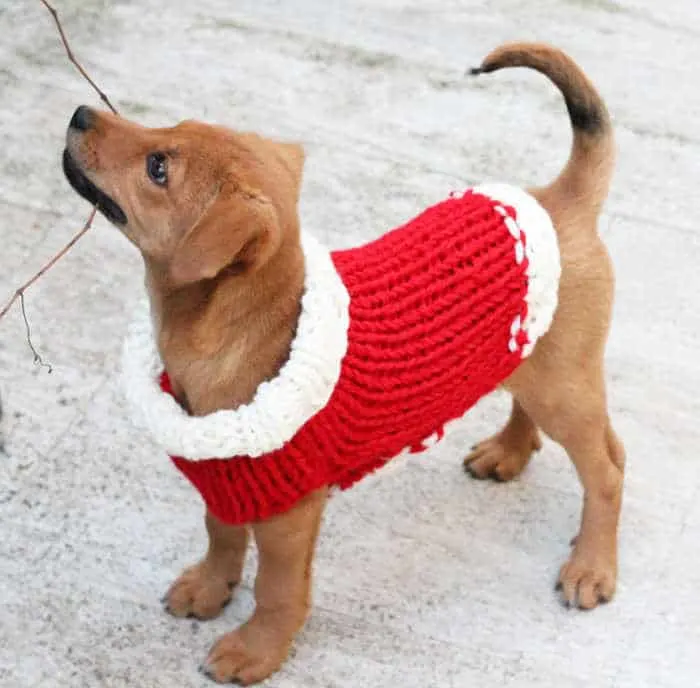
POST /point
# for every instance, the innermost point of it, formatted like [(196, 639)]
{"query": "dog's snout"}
[(82, 119)]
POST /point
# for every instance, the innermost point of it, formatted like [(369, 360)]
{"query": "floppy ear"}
[(283, 163), (240, 229), (292, 156)]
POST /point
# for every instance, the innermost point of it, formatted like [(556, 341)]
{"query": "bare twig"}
[(37, 357), (75, 62), (19, 293)]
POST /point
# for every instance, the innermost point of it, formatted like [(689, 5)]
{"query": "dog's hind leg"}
[(505, 455), (589, 576), (573, 413)]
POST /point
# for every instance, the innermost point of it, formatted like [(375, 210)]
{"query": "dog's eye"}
[(157, 168)]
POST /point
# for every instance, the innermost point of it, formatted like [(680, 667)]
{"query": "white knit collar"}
[(281, 406)]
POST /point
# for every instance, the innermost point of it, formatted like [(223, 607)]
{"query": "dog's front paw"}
[(249, 654), (200, 591), (588, 578)]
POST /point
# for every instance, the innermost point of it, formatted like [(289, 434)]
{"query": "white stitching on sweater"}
[(542, 251)]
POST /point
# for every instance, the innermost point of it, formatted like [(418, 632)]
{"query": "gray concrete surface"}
[(425, 578)]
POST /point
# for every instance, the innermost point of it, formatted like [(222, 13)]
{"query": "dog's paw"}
[(500, 458), (247, 655), (199, 592), (587, 579)]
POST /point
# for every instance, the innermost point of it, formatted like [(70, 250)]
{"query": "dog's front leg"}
[(282, 596), (204, 589)]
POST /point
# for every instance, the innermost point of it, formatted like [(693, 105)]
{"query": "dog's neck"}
[(220, 339)]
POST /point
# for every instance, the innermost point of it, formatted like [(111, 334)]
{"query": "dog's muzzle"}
[(79, 181)]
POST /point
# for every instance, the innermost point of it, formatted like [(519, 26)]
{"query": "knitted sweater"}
[(395, 339)]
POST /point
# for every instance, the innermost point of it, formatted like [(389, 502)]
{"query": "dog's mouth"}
[(77, 179)]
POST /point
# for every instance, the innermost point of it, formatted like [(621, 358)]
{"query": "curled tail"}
[(589, 169)]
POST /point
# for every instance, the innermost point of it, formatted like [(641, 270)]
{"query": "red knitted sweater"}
[(438, 317)]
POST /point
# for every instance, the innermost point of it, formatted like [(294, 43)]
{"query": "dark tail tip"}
[(586, 109), (482, 69), (585, 116)]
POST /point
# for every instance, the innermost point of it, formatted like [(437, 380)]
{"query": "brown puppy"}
[(214, 214)]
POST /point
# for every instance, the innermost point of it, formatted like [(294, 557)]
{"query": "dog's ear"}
[(292, 156), (283, 163), (240, 230)]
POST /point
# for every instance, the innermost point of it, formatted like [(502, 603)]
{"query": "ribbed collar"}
[(281, 406)]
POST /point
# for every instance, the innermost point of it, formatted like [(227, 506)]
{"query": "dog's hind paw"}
[(501, 458), (587, 579)]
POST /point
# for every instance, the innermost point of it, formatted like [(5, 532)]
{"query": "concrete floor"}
[(425, 578)]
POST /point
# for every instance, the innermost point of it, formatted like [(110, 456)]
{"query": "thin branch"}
[(75, 62), (19, 293), (37, 357)]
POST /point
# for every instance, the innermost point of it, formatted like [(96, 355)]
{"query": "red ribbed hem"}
[(244, 490)]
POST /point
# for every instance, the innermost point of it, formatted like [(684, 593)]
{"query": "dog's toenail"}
[(571, 604)]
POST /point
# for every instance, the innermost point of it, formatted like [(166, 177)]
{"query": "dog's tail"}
[(587, 174)]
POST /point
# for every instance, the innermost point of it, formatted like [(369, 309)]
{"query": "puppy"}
[(229, 361)]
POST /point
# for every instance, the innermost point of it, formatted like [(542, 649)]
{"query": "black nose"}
[(82, 119)]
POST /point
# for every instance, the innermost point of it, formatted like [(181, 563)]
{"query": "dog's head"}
[(194, 198)]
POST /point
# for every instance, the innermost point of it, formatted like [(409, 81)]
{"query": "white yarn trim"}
[(542, 251), (281, 406)]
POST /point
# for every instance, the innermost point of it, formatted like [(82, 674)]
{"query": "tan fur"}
[(225, 274)]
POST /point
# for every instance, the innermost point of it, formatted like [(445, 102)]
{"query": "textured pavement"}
[(425, 578)]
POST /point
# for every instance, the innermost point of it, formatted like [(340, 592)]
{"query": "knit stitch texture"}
[(441, 311)]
